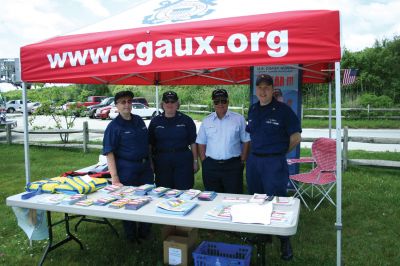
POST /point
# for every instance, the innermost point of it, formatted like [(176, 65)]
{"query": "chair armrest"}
[(301, 160)]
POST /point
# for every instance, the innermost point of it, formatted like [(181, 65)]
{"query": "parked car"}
[(15, 106), (137, 109), (91, 100), (91, 110), (103, 112), (32, 107), (141, 100)]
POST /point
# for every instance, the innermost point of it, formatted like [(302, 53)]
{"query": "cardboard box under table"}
[(179, 243)]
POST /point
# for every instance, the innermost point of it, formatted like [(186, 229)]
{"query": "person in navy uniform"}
[(171, 134), (126, 146), (223, 147), (274, 131)]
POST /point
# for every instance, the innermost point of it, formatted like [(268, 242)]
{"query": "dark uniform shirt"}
[(271, 126), (177, 132), (128, 140)]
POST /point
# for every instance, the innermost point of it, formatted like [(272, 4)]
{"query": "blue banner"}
[(287, 84)]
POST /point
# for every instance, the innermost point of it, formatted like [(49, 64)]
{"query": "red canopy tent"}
[(219, 51), (216, 51)]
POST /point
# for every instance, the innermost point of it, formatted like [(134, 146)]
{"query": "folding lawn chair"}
[(322, 177)]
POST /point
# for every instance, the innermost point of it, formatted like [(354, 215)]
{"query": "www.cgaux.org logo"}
[(180, 10)]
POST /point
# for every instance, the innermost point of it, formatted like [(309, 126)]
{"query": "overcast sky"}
[(24, 22)]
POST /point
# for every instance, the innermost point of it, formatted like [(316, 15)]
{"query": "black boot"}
[(286, 249)]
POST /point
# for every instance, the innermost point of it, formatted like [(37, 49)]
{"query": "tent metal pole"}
[(26, 134), (338, 223), (330, 108), (157, 104)]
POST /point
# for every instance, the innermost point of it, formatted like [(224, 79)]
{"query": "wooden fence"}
[(353, 113), (345, 139), (321, 113)]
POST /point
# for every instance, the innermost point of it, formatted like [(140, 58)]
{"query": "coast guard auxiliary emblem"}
[(181, 10)]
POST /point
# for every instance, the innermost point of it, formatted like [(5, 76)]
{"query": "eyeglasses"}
[(169, 101), (123, 102), (216, 102)]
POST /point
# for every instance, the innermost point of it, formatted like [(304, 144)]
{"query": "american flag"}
[(349, 76)]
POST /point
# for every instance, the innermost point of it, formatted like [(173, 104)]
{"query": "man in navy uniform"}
[(274, 131), (223, 147), (171, 134), (126, 146)]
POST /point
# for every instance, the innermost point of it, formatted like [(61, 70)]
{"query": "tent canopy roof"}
[(207, 52)]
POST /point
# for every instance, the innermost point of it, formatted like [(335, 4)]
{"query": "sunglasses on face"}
[(123, 102), (169, 101), (216, 102)]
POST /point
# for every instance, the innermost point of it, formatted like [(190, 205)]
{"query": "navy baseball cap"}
[(170, 95), (264, 78), (219, 93)]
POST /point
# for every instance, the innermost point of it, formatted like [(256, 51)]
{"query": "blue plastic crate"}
[(215, 253)]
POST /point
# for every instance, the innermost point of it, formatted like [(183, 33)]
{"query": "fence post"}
[(368, 111), (302, 112), (8, 134), (345, 147), (85, 136), (242, 110)]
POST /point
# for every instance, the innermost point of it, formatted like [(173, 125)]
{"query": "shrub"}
[(375, 101)]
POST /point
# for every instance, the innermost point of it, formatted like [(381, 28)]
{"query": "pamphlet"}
[(220, 212), (235, 199), (137, 203), (190, 194), (207, 195), (172, 193), (258, 198), (176, 206), (52, 199), (251, 213), (85, 202)]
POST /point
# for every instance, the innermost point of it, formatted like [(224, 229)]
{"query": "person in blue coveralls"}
[(173, 144), (274, 131), (126, 146), (223, 147)]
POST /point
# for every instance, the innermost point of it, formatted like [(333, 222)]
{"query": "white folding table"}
[(148, 214)]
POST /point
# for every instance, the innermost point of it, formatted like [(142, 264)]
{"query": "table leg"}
[(50, 247), (83, 218)]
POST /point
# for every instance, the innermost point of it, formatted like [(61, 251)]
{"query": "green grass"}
[(369, 124), (370, 219)]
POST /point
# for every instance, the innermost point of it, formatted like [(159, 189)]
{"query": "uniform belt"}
[(143, 160), (268, 154), (173, 150), (225, 161)]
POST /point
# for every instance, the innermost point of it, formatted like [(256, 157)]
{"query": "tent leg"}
[(157, 104), (26, 135), (338, 223), (330, 109)]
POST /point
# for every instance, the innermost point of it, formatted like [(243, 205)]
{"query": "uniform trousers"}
[(174, 169), (143, 174), (224, 176)]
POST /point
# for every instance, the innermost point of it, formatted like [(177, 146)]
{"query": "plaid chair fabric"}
[(322, 177)]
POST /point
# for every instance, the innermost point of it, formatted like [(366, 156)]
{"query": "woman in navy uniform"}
[(125, 144), (274, 131), (171, 134)]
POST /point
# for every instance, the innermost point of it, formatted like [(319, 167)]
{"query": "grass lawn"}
[(370, 219)]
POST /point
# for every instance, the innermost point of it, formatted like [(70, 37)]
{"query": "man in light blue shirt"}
[(223, 145)]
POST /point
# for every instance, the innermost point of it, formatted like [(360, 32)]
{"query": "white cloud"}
[(95, 6), (23, 22)]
